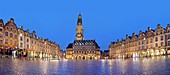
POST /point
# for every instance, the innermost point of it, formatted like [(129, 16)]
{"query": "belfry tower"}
[(79, 29), (89, 48)]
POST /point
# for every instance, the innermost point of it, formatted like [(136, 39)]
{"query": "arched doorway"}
[(84, 57), (91, 57), (157, 52), (162, 52), (75, 57), (151, 52), (79, 57)]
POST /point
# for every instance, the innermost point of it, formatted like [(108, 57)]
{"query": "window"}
[(139, 43), (151, 40), (160, 32), (143, 47), (1, 35), (139, 48), (11, 29), (156, 33), (162, 38), (156, 39), (11, 35), (27, 40), (27, 46), (20, 38), (168, 36), (1, 25), (168, 43), (6, 33), (156, 44), (15, 36), (20, 44), (32, 41), (146, 41), (142, 41), (0, 30), (1, 42), (6, 41), (169, 30), (162, 44)]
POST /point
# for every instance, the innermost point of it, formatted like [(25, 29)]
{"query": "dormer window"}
[(161, 33), (156, 33), (11, 29)]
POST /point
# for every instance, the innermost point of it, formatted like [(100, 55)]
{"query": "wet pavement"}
[(143, 66)]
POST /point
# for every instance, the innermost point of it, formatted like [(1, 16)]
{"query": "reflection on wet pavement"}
[(136, 66)]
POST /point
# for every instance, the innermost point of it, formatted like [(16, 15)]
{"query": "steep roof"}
[(70, 45), (86, 43)]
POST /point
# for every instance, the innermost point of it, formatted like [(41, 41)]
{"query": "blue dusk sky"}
[(103, 20)]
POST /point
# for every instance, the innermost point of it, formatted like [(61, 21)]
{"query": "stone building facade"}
[(17, 41), (146, 44), (80, 48), (10, 36)]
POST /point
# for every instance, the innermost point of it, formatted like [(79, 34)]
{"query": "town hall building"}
[(80, 48)]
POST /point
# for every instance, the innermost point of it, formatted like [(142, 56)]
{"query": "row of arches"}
[(84, 52), (84, 57), (144, 53)]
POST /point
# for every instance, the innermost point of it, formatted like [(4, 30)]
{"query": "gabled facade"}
[(19, 42), (146, 44)]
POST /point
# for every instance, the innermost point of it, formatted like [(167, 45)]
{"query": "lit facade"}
[(146, 44), (80, 48), (17, 41), (10, 37), (1, 36)]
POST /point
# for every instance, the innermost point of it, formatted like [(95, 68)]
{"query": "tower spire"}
[(79, 29), (79, 21)]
